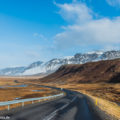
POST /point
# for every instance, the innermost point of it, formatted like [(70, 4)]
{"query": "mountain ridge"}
[(41, 67)]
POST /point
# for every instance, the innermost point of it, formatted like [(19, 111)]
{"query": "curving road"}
[(74, 106)]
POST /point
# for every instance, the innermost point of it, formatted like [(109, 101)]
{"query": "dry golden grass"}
[(109, 92), (7, 94), (10, 80), (110, 107), (11, 93)]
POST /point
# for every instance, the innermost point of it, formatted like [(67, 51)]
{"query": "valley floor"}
[(105, 96), (12, 89)]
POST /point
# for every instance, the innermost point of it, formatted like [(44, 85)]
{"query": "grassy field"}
[(109, 92), (10, 80), (11, 93), (9, 90), (106, 91)]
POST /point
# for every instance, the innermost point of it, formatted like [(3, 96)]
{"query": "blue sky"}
[(32, 30)]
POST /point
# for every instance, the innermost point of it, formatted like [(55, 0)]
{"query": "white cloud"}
[(86, 31), (75, 12), (114, 3)]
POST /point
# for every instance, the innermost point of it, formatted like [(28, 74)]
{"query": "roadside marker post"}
[(96, 101)]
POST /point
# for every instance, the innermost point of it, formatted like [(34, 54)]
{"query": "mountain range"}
[(51, 66)]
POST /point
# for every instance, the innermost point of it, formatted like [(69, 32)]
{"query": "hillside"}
[(94, 72)]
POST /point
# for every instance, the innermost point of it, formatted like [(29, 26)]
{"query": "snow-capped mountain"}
[(12, 71), (52, 65)]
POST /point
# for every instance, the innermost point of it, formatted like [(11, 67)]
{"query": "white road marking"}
[(53, 114)]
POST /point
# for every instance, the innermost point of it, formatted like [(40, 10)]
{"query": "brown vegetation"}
[(95, 72), (10, 91)]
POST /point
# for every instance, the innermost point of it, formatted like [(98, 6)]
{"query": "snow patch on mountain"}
[(40, 67)]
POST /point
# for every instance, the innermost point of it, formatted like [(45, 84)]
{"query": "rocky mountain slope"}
[(40, 67), (93, 72)]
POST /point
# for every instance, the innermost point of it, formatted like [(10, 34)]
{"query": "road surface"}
[(73, 106)]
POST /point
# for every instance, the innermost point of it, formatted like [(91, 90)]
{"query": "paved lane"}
[(73, 106)]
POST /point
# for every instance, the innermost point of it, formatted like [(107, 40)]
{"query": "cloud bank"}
[(86, 30)]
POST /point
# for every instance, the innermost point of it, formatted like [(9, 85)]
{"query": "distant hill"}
[(92, 72), (42, 68)]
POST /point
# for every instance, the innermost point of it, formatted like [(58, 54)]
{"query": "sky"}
[(40, 30)]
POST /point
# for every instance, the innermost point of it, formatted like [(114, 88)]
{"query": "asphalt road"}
[(73, 106)]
